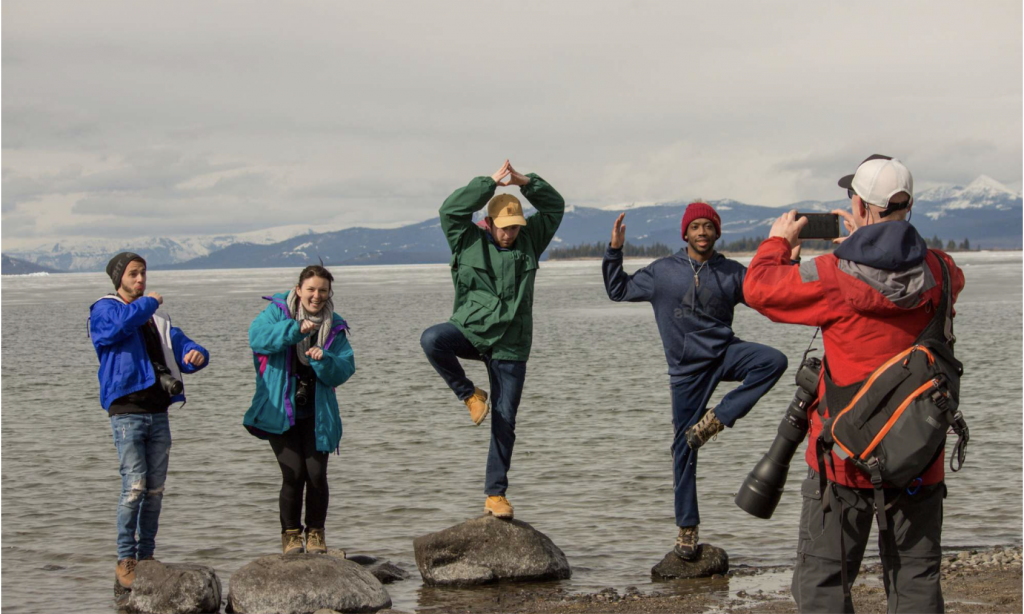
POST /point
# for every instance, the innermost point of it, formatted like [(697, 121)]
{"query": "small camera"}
[(302, 392), (168, 382)]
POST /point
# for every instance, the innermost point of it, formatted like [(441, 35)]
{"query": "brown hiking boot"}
[(125, 572), (499, 507), (316, 541), (706, 430), (686, 543), (291, 541), (478, 406)]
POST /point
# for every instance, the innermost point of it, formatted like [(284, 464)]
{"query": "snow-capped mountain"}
[(985, 211), (982, 193), (93, 254)]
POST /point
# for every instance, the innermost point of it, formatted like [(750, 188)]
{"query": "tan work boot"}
[(706, 430), (686, 543), (125, 572), (478, 406), (291, 541), (316, 541), (499, 507)]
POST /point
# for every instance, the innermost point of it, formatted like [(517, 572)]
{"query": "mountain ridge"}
[(985, 211)]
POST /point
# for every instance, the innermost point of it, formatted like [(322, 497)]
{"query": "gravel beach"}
[(982, 580)]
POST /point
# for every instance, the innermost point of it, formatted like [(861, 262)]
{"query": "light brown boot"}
[(316, 541), (291, 541), (125, 572), (706, 430), (478, 406), (686, 543), (499, 507)]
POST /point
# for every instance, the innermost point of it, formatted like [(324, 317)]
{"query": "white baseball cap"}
[(879, 178)]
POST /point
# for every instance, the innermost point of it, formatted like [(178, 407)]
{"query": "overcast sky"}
[(178, 118)]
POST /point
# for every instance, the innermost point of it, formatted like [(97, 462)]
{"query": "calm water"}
[(592, 466)]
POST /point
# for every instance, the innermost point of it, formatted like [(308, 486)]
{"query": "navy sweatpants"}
[(759, 367)]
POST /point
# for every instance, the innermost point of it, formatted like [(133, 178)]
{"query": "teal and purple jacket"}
[(272, 335)]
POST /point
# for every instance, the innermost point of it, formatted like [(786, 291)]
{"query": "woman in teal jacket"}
[(301, 354)]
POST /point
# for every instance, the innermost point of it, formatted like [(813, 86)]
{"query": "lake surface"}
[(592, 467)]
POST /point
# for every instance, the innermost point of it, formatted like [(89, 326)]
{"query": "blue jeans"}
[(444, 344), (759, 367), (143, 444)]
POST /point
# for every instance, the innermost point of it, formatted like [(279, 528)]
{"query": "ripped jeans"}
[(143, 444)]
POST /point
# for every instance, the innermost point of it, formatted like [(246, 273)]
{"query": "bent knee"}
[(778, 362), (428, 340)]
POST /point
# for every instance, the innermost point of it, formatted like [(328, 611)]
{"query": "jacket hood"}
[(889, 261), (891, 246)]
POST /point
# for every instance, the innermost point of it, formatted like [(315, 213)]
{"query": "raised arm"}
[(781, 291), (550, 206), (111, 321), (458, 209), (622, 287)]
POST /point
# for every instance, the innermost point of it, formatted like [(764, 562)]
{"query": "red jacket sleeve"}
[(783, 292)]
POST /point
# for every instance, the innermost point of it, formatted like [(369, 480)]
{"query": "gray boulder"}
[(486, 550), (383, 570), (710, 561), (304, 583), (173, 588)]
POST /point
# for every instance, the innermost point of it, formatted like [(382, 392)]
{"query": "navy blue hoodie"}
[(695, 322)]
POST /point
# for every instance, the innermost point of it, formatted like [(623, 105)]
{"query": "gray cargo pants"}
[(910, 549)]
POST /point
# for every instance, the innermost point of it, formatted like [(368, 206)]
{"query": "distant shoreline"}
[(810, 252)]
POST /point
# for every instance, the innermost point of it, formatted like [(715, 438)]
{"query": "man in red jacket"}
[(871, 298)]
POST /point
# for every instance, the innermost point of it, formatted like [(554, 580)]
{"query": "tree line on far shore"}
[(749, 244)]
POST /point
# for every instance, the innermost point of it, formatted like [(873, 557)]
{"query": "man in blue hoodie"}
[(141, 358), (693, 293)]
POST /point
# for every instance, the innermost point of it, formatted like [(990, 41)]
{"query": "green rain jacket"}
[(494, 288)]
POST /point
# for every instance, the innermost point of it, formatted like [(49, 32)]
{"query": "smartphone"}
[(820, 226)]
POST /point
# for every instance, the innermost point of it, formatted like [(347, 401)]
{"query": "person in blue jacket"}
[(142, 358), (694, 293), (301, 354)]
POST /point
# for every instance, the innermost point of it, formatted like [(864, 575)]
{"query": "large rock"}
[(485, 550), (304, 583), (384, 570), (173, 588), (710, 561)]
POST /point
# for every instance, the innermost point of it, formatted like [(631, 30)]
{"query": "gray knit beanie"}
[(117, 265)]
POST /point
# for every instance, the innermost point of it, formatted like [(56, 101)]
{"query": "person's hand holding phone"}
[(788, 227)]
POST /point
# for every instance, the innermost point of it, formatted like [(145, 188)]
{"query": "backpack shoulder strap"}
[(940, 328)]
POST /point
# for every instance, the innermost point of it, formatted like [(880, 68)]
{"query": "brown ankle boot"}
[(478, 406), (125, 572), (316, 541), (291, 541)]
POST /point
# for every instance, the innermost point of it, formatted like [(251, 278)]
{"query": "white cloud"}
[(370, 113)]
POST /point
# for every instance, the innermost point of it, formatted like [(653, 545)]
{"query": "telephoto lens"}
[(761, 491)]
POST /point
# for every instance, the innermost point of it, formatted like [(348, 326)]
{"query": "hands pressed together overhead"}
[(506, 175)]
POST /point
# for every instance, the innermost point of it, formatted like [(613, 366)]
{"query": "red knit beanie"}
[(698, 210)]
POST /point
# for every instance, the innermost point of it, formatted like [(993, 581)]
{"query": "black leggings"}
[(301, 467)]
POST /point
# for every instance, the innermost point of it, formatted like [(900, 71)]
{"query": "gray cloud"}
[(255, 115)]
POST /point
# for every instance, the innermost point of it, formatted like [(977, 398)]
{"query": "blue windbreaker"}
[(124, 364), (272, 334)]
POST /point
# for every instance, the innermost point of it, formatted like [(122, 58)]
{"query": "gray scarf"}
[(323, 317)]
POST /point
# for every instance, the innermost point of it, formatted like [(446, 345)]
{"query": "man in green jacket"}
[(493, 269)]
